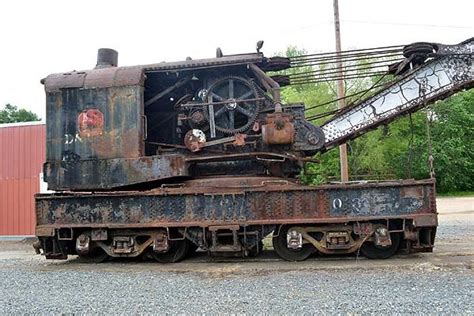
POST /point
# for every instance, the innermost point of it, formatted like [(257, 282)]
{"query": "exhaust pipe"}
[(106, 57)]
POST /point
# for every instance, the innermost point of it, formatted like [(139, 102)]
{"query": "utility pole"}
[(340, 91)]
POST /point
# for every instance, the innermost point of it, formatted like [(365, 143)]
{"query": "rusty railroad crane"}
[(161, 159)]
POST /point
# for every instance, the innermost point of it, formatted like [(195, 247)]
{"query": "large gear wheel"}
[(230, 115)]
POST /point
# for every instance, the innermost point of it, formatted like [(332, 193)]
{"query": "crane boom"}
[(448, 69)]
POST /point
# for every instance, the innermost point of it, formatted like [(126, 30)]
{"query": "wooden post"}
[(340, 91)]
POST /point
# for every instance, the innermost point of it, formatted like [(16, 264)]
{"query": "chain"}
[(428, 132), (430, 148), (410, 149)]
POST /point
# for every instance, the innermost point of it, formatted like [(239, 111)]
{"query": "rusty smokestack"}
[(107, 57)]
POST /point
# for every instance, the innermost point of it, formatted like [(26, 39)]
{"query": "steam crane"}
[(159, 160)]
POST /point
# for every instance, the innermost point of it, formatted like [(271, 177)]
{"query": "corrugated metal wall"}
[(22, 153)]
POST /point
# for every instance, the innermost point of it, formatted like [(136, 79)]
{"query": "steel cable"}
[(344, 57), (357, 67), (354, 59), (346, 73), (376, 85), (357, 63), (363, 51), (334, 78), (345, 97)]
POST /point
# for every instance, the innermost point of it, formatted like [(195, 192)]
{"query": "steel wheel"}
[(192, 249), (96, 255), (281, 247), (177, 252), (371, 251)]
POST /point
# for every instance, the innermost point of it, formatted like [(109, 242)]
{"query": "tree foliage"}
[(12, 114), (452, 139), (401, 149)]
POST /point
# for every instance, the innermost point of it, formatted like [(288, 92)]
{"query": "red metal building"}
[(22, 153)]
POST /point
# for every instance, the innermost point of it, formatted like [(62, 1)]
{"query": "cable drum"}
[(419, 48)]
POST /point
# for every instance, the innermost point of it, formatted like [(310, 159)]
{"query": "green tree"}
[(452, 140), (11, 114), (401, 149), (313, 94)]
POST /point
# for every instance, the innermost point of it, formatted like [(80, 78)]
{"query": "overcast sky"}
[(43, 37)]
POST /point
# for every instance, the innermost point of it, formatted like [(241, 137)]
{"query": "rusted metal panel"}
[(241, 202), (229, 60), (55, 82), (134, 75), (45, 231), (88, 130), (378, 201), (22, 153), (95, 140), (121, 128), (429, 220), (84, 174), (95, 78)]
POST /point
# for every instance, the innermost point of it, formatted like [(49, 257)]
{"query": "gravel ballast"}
[(422, 290)]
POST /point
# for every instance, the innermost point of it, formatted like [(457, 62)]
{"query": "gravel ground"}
[(437, 283), (357, 291)]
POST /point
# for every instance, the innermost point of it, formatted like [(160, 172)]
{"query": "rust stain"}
[(90, 123), (412, 191)]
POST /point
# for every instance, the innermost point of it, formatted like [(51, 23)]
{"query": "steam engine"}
[(120, 127)]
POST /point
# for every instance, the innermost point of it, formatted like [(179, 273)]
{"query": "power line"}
[(310, 26), (409, 24)]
